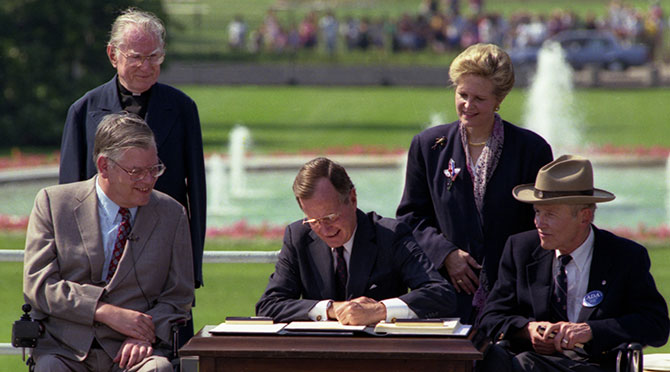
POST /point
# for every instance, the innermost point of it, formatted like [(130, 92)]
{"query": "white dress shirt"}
[(395, 307), (577, 270), (110, 219)]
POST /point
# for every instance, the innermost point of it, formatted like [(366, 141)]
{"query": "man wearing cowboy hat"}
[(569, 293)]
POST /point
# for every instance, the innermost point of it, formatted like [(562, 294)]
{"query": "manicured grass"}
[(231, 289), (12, 240), (295, 119)]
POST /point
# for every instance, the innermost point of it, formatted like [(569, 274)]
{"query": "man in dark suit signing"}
[(136, 49), (108, 264), (342, 264), (569, 293)]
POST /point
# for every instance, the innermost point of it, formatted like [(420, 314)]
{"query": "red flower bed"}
[(653, 151), (644, 233), (356, 150), (242, 230), (18, 159), (13, 223)]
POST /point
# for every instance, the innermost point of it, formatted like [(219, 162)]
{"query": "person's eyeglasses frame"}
[(157, 53), (325, 220), (138, 174)]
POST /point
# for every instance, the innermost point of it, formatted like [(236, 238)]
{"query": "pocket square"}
[(372, 287)]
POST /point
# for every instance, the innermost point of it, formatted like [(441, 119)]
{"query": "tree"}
[(51, 53)]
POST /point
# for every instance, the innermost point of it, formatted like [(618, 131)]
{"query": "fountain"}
[(436, 119), (218, 200), (552, 112), (240, 139), (550, 109), (226, 181)]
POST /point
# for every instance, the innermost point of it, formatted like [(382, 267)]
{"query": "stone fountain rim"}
[(366, 161)]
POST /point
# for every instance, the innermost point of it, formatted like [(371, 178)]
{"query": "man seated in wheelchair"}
[(569, 294), (108, 262)]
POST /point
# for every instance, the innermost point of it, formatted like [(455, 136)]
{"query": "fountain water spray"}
[(218, 201), (436, 118), (228, 180), (240, 138), (550, 109)]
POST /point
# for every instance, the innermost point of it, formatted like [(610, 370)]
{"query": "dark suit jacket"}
[(173, 117), (446, 219), (632, 310), (64, 259), (385, 261)]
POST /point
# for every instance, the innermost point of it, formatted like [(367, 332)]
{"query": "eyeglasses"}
[(137, 60), (137, 174), (325, 220)]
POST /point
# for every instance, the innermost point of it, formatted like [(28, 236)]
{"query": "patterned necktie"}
[(121, 238), (340, 275), (559, 299)]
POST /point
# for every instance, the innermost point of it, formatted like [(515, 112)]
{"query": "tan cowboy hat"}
[(566, 180)]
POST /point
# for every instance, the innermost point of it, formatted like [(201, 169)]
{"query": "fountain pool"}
[(642, 196)]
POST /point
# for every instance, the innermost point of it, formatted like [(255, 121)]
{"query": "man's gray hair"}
[(305, 182), (119, 132), (576, 208), (135, 18)]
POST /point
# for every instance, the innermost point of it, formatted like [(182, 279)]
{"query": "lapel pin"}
[(604, 282), (451, 172), (592, 299)]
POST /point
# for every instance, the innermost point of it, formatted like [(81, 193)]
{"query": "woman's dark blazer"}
[(445, 218)]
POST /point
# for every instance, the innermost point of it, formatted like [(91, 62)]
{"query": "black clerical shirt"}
[(131, 102)]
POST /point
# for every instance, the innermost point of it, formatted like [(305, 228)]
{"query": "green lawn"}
[(296, 119), (231, 289)]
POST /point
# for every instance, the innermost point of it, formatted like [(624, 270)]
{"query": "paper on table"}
[(249, 320), (447, 328), (248, 328), (322, 326), (428, 323)]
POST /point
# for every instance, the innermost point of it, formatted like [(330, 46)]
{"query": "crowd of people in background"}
[(440, 25)]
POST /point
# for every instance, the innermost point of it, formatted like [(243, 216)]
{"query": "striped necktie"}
[(121, 238), (559, 299), (340, 275)]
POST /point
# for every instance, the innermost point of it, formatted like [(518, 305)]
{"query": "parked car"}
[(588, 48)]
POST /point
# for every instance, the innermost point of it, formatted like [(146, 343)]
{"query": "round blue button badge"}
[(592, 299)]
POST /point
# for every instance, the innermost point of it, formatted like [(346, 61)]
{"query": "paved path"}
[(209, 73)]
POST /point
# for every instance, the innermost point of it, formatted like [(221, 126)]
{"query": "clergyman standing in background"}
[(136, 49)]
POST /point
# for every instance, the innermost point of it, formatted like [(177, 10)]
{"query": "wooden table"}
[(329, 353)]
